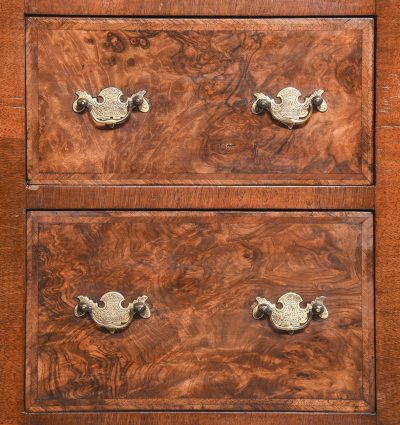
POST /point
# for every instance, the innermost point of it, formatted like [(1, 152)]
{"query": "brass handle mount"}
[(289, 112), (291, 317), (112, 315), (108, 109)]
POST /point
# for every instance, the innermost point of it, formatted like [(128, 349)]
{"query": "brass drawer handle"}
[(291, 317), (289, 111), (107, 109), (112, 315)]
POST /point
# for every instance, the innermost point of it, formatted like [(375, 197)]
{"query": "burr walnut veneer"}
[(200, 76), (208, 204), (201, 349)]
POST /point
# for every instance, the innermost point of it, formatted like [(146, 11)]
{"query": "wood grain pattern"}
[(201, 349), (200, 75), (202, 7), (200, 197), (12, 212), (12, 260), (12, 39), (226, 418), (388, 213), (13, 202)]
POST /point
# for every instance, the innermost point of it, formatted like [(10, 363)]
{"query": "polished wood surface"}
[(388, 213), (12, 41), (200, 75), (168, 418), (12, 211), (201, 349), (13, 204), (202, 7), (200, 197)]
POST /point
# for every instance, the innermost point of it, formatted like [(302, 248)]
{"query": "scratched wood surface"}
[(201, 349), (200, 75)]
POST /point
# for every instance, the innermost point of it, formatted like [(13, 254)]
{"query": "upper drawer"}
[(200, 76)]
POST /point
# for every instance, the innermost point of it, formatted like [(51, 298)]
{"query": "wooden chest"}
[(200, 208)]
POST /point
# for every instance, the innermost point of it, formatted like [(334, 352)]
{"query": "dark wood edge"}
[(283, 406), (367, 117), (31, 359), (368, 316), (32, 96)]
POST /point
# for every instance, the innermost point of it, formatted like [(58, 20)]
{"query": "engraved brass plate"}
[(290, 111), (112, 315), (107, 109), (291, 317)]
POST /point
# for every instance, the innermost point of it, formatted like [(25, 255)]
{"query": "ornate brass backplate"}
[(290, 111), (291, 317), (107, 109), (112, 316)]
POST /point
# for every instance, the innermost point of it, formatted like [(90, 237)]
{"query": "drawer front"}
[(200, 77), (201, 348)]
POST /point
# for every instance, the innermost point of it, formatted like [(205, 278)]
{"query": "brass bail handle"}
[(112, 315), (290, 111), (107, 109), (291, 317)]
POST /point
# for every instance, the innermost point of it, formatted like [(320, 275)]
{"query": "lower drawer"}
[(202, 347)]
